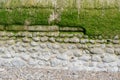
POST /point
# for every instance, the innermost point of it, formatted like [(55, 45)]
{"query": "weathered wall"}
[(54, 46), (83, 36), (58, 50), (98, 17)]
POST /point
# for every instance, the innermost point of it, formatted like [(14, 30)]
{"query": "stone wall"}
[(57, 49)]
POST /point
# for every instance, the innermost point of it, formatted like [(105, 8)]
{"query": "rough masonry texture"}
[(58, 50), (59, 40)]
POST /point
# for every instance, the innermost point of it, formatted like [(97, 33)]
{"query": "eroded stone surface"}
[(69, 51)]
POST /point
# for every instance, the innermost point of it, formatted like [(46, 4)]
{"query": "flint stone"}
[(55, 62), (31, 50), (25, 44), (18, 62), (6, 56), (59, 40), (64, 63), (10, 34), (36, 39), (66, 40), (117, 51), (113, 64), (74, 40), (21, 49), (33, 62), (66, 35), (109, 50), (44, 56), (100, 41), (118, 64), (71, 47), (109, 46), (100, 65), (69, 53), (18, 44), (100, 37), (43, 63), (5, 63), (2, 33), (44, 39), (79, 46), (91, 64), (10, 42), (2, 50), (92, 41), (119, 57), (36, 49), (52, 39), (86, 36), (34, 34), (62, 50), (116, 37), (55, 51), (116, 41), (107, 58), (33, 44), (56, 46), (85, 57), (112, 69), (25, 57), (43, 46), (62, 57), (96, 58), (63, 46), (80, 35), (26, 40), (34, 56), (96, 51), (77, 53), (49, 45), (86, 52), (62, 35), (83, 41)]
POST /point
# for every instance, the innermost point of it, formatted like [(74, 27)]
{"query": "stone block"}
[(107, 58), (18, 62), (2, 33), (97, 50), (52, 39), (85, 57), (117, 51), (62, 57), (116, 41), (16, 28), (55, 62), (44, 39), (75, 29), (96, 58), (1, 27), (74, 40), (43, 28), (33, 44), (109, 50)]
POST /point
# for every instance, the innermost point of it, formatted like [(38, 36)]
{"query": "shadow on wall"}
[(72, 28)]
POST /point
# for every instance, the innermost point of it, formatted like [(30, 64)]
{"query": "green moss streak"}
[(96, 22), (22, 15)]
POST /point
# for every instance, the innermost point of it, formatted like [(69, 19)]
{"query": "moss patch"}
[(25, 16), (96, 22), (96, 17)]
